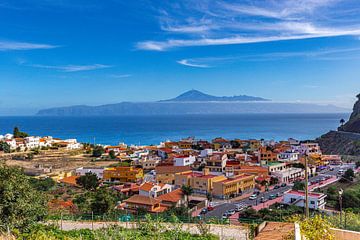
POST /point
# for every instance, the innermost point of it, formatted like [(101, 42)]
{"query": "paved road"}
[(222, 208)]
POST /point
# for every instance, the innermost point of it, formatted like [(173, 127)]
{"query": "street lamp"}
[(340, 203)]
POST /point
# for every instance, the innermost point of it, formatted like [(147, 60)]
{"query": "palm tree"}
[(342, 122), (187, 190)]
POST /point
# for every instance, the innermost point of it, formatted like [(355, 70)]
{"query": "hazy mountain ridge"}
[(197, 96)]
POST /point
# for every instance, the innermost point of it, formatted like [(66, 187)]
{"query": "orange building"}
[(123, 174)]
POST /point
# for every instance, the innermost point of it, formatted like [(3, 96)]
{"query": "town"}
[(218, 179)]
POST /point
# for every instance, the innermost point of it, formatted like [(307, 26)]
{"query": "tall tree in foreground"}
[(89, 181), (187, 190), (20, 204)]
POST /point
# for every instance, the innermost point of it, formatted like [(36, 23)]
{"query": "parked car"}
[(283, 185), (253, 197), (276, 186), (210, 208), (272, 196), (231, 212), (262, 200), (203, 211), (256, 192), (279, 194), (225, 216)]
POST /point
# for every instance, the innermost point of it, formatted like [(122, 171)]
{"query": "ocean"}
[(155, 129)]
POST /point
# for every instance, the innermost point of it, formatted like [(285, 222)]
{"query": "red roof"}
[(302, 193), (173, 196)]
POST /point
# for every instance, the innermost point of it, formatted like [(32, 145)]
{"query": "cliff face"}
[(345, 141), (353, 125)]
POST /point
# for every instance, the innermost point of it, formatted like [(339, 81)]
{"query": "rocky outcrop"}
[(353, 125), (341, 143), (345, 141)]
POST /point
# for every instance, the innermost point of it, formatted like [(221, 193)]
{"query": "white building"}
[(297, 198), (32, 142), (206, 152), (99, 171), (307, 148), (289, 174), (150, 189), (184, 160), (288, 156)]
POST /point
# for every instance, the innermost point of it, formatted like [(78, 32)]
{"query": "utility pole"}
[(306, 188)]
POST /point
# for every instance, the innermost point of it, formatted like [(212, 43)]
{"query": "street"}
[(222, 208)]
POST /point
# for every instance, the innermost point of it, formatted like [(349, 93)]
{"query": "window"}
[(312, 202)]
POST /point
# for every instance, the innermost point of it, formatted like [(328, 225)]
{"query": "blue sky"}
[(70, 52)]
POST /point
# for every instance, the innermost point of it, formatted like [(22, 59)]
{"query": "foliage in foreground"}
[(313, 228), (21, 205), (149, 229)]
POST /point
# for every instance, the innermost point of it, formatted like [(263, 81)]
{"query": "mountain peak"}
[(198, 96)]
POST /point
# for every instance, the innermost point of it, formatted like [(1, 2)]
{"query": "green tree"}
[(103, 202), (187, 190), (342, 122), (299, 186), (20, 204), (98, 151), (89, 181), (348, 175), (112, 154), (42, 184), (274, 180), (4, 147), (18, 134)]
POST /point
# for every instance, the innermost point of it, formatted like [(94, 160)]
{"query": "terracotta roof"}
[(171, 169), (143, 200), (147, 186), (276, 231), (69, 180), (173, 196)]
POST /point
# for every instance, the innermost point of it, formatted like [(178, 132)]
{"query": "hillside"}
[(345, 141)]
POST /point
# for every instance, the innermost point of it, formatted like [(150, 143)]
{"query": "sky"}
[(74, 52)]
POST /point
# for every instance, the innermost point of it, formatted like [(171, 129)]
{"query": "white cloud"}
[(189, 63), (224, 23), (12, 45), (72, 68)]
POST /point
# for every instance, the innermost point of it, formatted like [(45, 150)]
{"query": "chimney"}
[(206, 171)]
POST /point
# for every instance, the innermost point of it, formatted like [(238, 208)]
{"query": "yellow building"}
[(166, 174), (201, 182), (233, 186), (123, 174)]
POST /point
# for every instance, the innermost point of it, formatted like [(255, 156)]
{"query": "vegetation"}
[(148, 229), (314, 228), (112, 154), (98, 151), (89, 181), (21, 205), (299, 186), (349, 175), (42, 184), (18, 134), (187, 190), (4, 147)]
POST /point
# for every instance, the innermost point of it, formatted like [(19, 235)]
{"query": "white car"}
[(253, 197)]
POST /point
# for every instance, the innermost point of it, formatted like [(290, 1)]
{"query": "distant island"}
[(193, 102), (197, 96)]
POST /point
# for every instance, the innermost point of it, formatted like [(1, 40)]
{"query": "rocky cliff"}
[(345, 141), (353, 125)]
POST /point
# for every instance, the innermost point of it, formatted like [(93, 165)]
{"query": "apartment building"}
[(123, 174)]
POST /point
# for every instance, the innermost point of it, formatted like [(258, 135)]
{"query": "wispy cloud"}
[(319, 55), (121, 75), (191, 63), (72, 68), (225, 23), (13, 45)]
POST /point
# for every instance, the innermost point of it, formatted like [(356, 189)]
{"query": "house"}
[(289, 174), (166, 174), (164, 152), (201, 182), (154, 190), (123, 174), (183, 160), (233, 186), (127, 189), (149, 163), (288, 156), (175, 198), (147, 203), (185, 145), (217, 162), (257, 171), (267, 155), (316, 200), (98, 171)]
